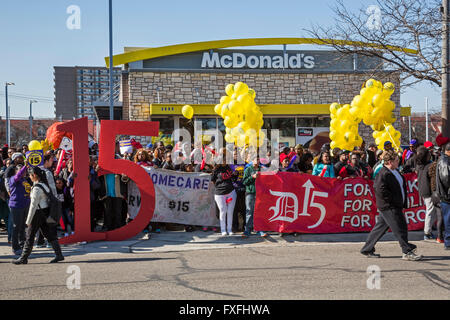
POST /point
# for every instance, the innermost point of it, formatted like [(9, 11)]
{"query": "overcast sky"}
[(34, 37)]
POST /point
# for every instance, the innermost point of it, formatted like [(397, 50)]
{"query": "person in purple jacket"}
[(19, 202)]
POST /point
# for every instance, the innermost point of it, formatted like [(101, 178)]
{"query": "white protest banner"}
[(181, 197)]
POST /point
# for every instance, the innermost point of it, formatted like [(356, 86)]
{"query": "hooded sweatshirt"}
[(20, 190)]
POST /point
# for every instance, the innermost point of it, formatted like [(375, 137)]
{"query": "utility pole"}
[(445, 59), (31, 118), (8, 122), (111, 66)]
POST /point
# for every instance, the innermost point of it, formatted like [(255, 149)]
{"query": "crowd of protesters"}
[(234, 183)]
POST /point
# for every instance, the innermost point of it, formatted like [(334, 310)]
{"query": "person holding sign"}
[(225, 196)]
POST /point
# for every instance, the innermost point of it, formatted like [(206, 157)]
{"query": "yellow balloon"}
[(218, 108), (365, 93), (334, 107), (349, 137), (234, 106), (34, 145), (333, 135), (187, 111), (355, 112), (388, 89), (240, 88), (225, 111), (225, 99), (229, 138), (243, 125), (229, 89), (371, 83), (259, 123), (390, 105), (252, 93), (378, 100), (334, 123), (245, 99)]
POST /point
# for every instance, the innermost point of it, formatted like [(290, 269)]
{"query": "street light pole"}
[(111, 83), (426, 118), (31, 118), (8, 124)]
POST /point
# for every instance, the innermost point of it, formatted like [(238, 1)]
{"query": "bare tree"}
[(385, 30), (406, 35)]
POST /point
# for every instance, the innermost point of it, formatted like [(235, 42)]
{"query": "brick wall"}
[(271, 88)]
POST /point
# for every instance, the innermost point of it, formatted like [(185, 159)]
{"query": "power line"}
[(19, 96)]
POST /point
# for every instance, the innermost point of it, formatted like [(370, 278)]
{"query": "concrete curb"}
[(174, 241)]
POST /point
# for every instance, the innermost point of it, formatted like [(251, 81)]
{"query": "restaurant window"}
[(286, 127), (322, 122), (305, 122)]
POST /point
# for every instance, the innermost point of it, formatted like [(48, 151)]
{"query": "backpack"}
[(54, 206)]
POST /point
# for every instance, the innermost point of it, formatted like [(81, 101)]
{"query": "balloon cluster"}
[(44, 145), (372, 106), (242, 118)]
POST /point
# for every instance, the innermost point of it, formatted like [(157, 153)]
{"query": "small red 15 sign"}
[(108, 165)]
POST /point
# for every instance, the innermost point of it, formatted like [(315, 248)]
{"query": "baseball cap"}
[(413, 142), (16, 155), (283, 156), (149, 145), (377, 154), (428, 144), (387, 142)]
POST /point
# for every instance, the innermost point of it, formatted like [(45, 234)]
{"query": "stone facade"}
[(140, 88)]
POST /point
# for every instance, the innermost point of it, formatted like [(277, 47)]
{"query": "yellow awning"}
[(266, 109)]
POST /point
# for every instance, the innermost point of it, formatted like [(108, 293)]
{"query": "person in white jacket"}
[(37, 216)]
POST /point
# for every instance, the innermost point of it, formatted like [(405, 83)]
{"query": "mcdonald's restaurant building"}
[(294, 88)]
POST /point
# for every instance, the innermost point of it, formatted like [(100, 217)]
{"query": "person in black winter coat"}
[(443, 190), (423, 163), (391, 198)]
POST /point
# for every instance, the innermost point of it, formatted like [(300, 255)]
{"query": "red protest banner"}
[(291, 202)]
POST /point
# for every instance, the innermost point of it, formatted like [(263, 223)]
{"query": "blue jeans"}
[(445, 207), (249, 210), (19, 216)]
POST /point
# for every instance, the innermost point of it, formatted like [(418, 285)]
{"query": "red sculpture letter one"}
[(108, 165)]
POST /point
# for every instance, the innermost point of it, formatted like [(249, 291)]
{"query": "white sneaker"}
[(224, 233), (412, 256), (230, 233)]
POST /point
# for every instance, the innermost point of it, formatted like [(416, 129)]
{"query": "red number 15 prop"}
[(108, 165)]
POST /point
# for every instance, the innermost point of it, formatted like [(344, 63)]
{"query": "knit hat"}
[(441, 140), (428, 144)]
